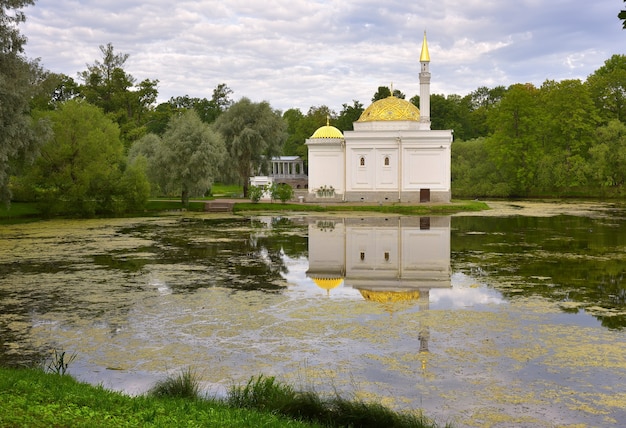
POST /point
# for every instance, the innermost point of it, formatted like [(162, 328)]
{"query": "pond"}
[(511, 317)]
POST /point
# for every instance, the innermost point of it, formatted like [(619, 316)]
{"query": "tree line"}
[(102, 144)]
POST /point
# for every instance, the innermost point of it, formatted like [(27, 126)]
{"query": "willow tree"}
[(18, 136), (185, 160), (253, 133)]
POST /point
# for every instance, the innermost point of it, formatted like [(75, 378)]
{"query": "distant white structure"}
[(289, 170), (392, 155), (262, 180)]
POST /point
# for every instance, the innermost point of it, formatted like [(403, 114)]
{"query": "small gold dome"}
[(327, 132), (390, 108)]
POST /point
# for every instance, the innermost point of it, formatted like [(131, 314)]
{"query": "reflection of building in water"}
[(390, 260), (380, 255)]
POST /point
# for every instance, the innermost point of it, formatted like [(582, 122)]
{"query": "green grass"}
[(421, 209), (18, 210), (33, 398), (221, 190), (184, 385), (28, 211), (268, 395)]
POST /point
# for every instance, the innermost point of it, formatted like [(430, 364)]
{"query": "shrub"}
[(283, 192), (255, 193)]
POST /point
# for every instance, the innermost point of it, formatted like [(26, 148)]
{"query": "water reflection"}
[(462, 317)]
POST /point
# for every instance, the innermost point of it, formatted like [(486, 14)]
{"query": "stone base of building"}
[(416, 197)]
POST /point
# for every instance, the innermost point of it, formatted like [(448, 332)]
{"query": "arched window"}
[(386, 160), (362, 161)]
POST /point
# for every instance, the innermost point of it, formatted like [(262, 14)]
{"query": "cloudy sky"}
[(303, 53)]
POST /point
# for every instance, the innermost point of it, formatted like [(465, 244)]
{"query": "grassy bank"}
[(28, 210), (33, 398), (420, 209)]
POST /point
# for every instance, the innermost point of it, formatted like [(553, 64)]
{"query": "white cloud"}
[(303, 53)]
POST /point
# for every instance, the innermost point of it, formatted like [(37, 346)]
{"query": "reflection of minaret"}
[(425, 84)]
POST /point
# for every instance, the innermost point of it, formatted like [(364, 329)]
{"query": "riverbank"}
[(31, 397), (24, 211)]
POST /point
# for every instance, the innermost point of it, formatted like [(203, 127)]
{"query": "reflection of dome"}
[(390, 296), (327, 132), (327, 283), (390, 108)]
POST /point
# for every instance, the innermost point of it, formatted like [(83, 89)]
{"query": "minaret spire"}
[(425, 85), (424, 56)]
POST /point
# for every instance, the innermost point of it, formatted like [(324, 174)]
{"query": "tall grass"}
[(267, 395), (185, 385)]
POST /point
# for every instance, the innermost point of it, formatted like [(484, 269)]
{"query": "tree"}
[(348, 115), (185, 159), (254, 133), (19, 137), (514, 144), (480, 102), (80, 170), (622, 15), (384, 92), (566, 132), (608, 156), (208, 110), (300, 127), (108, 86), (608, 88)]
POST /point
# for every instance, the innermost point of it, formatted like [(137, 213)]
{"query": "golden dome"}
[(327, 132), (390, 108)]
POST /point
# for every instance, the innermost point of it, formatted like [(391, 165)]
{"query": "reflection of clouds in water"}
[(301, 285), (465, 292), (160, 285)]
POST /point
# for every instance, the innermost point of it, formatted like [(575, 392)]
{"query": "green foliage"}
[(348, 115), (58, 364), (421, 209), (281, 191), (255, 193), (185, 160), (108, 86), (608, 88), (608, 157), (19, 136), (32, 398), (134, 185), (80, 171), (300, 127), (384, 92), (266, 394), (185, 385), (254, 133)]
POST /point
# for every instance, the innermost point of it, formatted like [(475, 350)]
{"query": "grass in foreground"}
[(265, 394), (31, 397)]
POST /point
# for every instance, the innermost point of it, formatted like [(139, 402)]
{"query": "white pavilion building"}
[(392, 155)]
